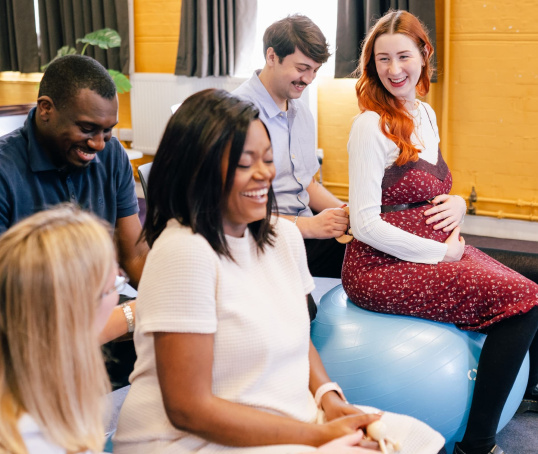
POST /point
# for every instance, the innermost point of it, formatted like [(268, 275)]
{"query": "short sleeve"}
[(177, 292), (295, 242), (126, 199)]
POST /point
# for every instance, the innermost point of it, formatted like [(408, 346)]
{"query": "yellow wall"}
[(17, 92), (493, 109), (337, 106), (492, 106), (156, 34)]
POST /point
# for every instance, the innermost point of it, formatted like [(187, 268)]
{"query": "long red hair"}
[(395, 121)]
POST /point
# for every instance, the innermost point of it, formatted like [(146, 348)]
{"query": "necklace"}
[(418, 123), (419, 115)]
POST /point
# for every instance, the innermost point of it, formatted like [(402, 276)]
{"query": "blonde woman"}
[(57, 289)]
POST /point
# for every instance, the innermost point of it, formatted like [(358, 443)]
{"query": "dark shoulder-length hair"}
[(186, 181), (395, 122)]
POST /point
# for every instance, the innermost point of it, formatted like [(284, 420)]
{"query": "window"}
[(36, 13), (322, 13)]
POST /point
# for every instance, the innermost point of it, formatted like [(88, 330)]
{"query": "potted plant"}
[(105, 38)]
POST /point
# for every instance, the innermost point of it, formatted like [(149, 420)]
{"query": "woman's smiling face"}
[(247, 201), (399, 65)]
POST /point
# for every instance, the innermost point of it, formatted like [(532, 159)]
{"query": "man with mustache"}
[(65, 152), (295, 48)]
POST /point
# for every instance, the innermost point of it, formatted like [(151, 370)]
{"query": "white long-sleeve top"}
[(370, 154)]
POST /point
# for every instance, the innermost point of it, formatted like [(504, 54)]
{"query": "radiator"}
[(152, 96)]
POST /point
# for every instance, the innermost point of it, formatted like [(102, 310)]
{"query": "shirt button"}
[(292, 156), (299, 180)]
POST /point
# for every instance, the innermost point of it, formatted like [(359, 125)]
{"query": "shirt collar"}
[(37, 158)]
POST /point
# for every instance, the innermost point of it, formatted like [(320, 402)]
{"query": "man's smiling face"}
[(74, 134), (292, 75)]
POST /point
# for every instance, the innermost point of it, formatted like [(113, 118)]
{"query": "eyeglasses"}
[(121, 282)]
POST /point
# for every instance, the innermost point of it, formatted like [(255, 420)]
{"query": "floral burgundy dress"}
[(472, 293)]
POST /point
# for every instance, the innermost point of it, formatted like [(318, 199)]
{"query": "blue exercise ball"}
[(404, 364), (109, 444)]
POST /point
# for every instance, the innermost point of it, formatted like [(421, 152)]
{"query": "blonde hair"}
[(53, 268)]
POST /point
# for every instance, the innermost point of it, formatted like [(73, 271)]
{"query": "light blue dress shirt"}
[(294, 146)]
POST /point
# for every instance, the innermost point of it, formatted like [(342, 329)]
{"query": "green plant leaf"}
[(105, 38), (66, 50), (123, 85)]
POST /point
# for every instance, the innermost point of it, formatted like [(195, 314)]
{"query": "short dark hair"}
[(296, 32), (67, 75), (185, 181)]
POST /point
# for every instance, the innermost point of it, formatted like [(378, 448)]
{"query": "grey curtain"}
[(18, 37), (355, 17), (213, 36), (62, 22)]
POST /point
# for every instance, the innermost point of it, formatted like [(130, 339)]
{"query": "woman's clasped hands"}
[(448, 212), (346, 424), (349, 444)]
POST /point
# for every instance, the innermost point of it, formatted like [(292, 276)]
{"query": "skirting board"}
[(153, 95), (500, 228)]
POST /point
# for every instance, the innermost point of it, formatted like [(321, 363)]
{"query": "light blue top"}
[(294, 145)]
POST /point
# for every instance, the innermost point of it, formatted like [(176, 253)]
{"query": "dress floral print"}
[(472, 293)]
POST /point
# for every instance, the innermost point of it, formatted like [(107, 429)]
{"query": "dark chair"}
[(524, 263), (13, 117), (143, 174)]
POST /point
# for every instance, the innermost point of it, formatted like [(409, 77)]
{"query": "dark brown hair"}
[(186, 183), (296, 32)]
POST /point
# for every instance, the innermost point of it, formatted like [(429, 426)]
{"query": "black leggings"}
[(506, 345)]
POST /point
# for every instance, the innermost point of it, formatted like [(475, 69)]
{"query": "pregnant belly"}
[(414, 221)]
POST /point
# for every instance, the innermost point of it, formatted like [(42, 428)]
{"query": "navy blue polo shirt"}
[(29, 181)]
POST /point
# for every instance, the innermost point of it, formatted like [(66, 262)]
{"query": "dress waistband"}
[(403, 206)]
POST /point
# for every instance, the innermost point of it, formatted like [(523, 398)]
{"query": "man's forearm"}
[(321, 198), (303, 223)]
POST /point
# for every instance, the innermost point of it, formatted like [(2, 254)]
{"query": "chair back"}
[(13, 117), (143, 174)]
